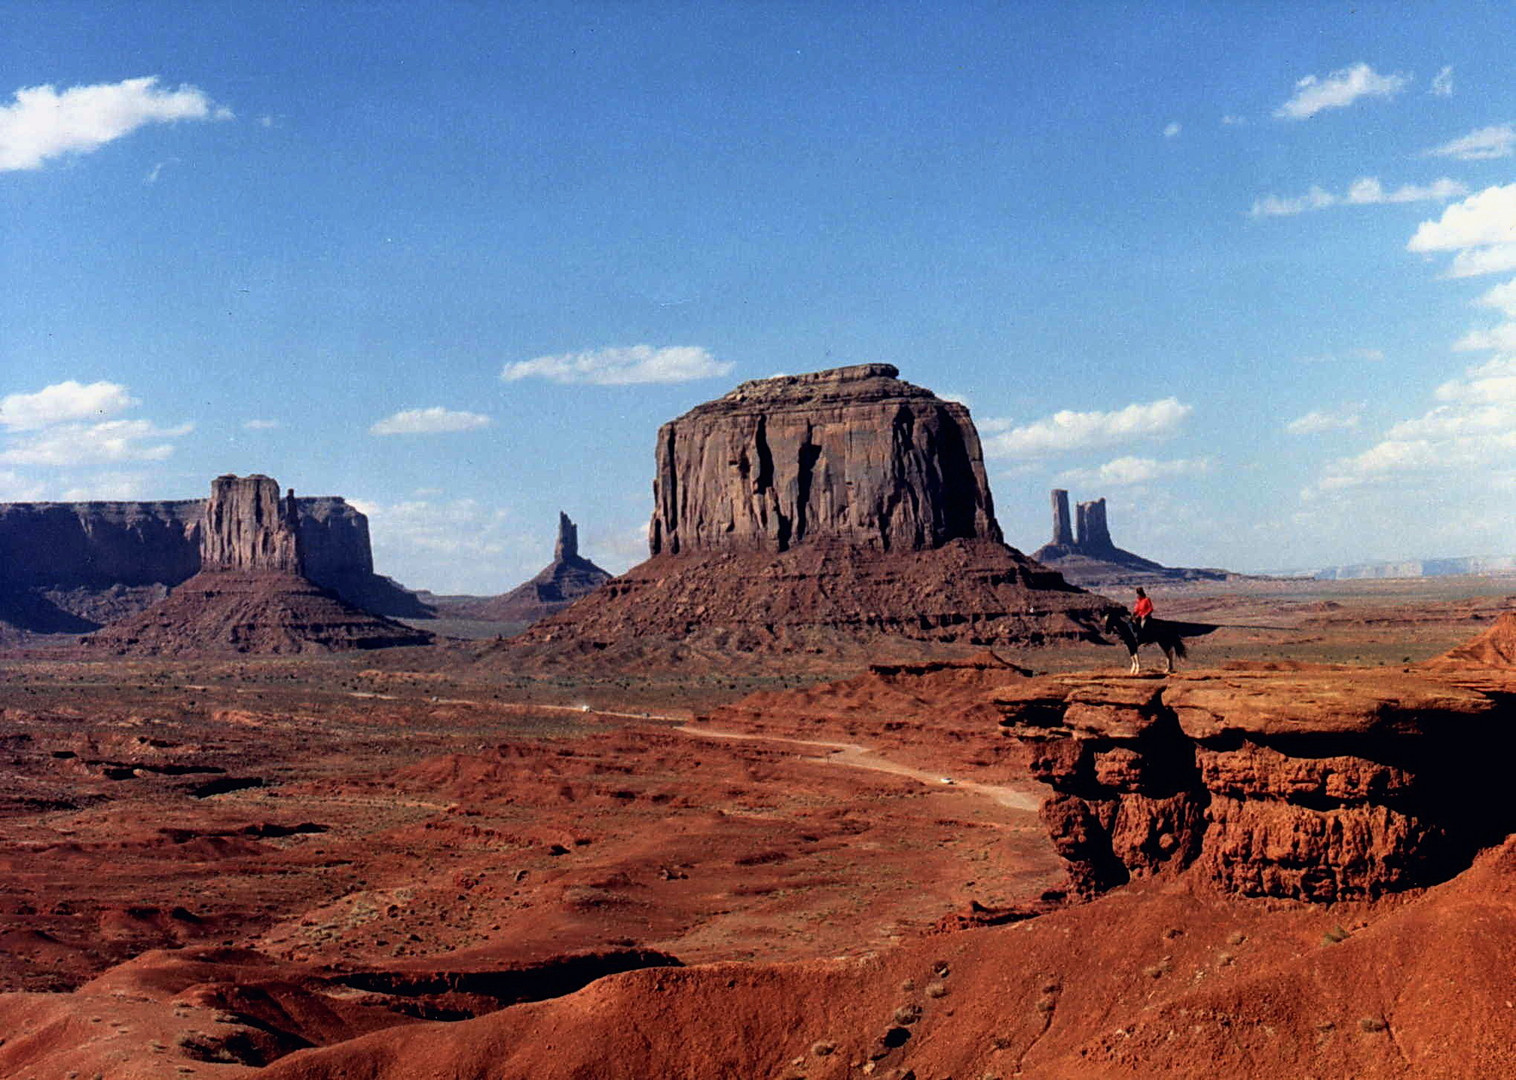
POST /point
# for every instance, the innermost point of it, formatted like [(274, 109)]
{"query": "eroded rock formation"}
[(1312, 783), (72, 567), (569, 577), (852, 454), (249, 527), (250, 594), (800, 512), (1087, 556)]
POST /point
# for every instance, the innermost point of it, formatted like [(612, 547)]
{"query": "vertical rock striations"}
[(249, 527), (851, 455)]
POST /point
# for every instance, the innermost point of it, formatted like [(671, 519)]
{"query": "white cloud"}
[(1068, 430), (62, 402), (1467, 440), (14, 487), (1365, 191), (1232, 120), (1501, 297), (1339, 90), (1318, 421), (453, 546), (42, 123), (108, 486), (1481, 230), (1126, 471), (260, 425), (1501, 338), (1172, 129), (108, 443), (1487, 218), (1481, 145), (621, 366), (432, 421), (1442, 83)]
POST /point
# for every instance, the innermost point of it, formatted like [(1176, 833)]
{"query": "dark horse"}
[(1168, 636)]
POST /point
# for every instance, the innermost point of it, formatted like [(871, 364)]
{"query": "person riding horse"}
[(1142, 612)]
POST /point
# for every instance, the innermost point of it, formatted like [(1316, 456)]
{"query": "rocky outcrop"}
[(804, 513), (852, 455), (250, 594), (1311, 783), (72, 567), (1089, 557), (249, 527), (569, 577)]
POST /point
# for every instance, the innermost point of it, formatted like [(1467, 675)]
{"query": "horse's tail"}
[(1179, 647)]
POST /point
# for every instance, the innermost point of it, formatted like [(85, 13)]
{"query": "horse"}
[(1168, 636)]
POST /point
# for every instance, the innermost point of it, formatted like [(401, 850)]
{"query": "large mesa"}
[(813, 511), (852, 454)]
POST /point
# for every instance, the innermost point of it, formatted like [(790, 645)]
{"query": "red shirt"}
[(1143, 608)]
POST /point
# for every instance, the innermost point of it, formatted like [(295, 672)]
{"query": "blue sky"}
[(1236, 267)]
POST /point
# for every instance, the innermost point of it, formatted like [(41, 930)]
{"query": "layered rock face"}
[(71, 567), (804, 512), (1088, 556), (852, 455), (569, 577), (1314, 784)]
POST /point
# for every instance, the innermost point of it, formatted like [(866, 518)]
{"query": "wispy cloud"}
[(1068, 430), (1339, 90), (1365, 191), (108, 443), (114, 486), (260, 425), (1128, 471), (1320, 421), (1480, 230), (61, 402), (1481, 145), (1233, 120), (1172, 129), (433, 421), (621, 366), (1442, 83), (42, 123), (1501, 297)]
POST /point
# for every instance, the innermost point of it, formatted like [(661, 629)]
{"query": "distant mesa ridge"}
[(1082, 550)]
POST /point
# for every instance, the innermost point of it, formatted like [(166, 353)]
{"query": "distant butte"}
[(251, 594), (569, 577), (804, 512), (1086, 555)]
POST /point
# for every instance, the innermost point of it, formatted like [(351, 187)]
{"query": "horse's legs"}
[(1136, 664), (1168, 656)]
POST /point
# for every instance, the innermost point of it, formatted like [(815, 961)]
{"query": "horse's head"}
[(1115, 618)]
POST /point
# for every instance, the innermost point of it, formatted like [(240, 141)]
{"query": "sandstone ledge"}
[(1311, 783)]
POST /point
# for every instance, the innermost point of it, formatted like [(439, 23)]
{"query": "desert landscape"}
[(749, 541), (835, 784)]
